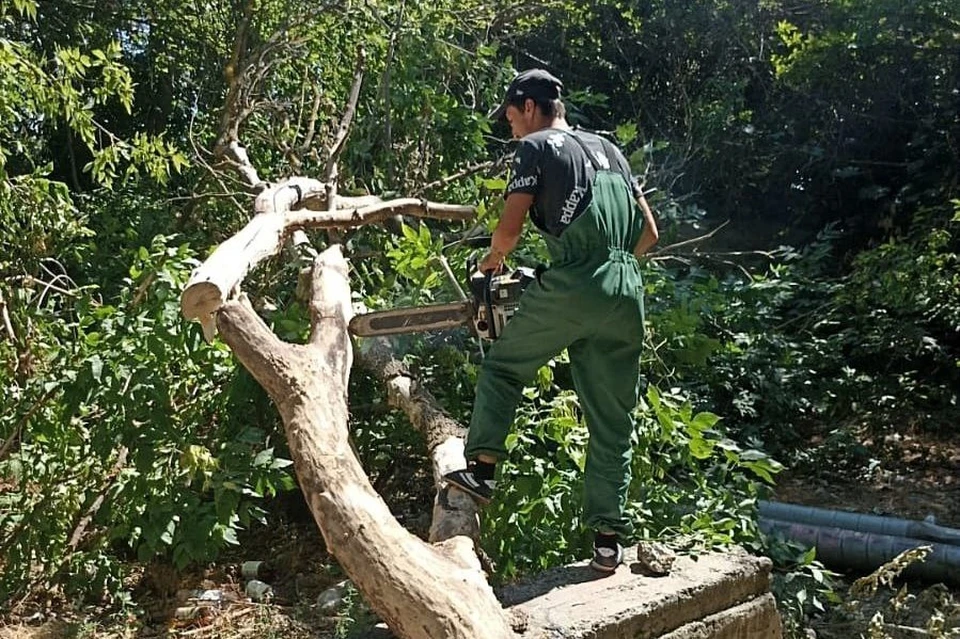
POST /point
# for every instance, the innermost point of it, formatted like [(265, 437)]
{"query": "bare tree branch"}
[(311, 123), (454, 512), (352, 217), (81, 528), (694, 240), (216, 279), (385, 95), (7, 324), (229, 122), (421, 590), (339, 141)]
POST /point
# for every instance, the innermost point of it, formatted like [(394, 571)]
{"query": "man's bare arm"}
[(650, 234), (508, 230)]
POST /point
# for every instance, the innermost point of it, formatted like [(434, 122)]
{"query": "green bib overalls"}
[(590, 302)]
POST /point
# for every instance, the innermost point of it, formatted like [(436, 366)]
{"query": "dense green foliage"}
[(825, 132)]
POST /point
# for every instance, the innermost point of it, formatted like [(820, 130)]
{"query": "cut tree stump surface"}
[(717, 595)]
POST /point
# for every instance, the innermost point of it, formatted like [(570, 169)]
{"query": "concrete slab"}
[(715, 596), (755, 619), (573, 602)]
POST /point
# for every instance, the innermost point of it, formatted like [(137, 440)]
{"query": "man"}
[(579, 192)]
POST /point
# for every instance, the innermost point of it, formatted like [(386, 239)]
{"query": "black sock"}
[(603, 540), (482, 470)]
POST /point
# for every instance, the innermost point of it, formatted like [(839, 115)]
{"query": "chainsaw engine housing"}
[(497, 301)]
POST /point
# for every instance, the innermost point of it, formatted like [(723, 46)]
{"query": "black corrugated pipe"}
[(893, 526), (841, 548)]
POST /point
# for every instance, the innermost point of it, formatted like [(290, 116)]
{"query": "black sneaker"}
[(481, 490), (606, 559)]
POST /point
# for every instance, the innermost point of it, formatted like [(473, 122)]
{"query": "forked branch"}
[(213, 282)]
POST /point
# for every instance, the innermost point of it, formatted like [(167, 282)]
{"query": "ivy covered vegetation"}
[(815, 144)]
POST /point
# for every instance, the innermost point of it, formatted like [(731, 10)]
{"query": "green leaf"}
[(263, 458), (230, 536), (626, 133), (96, 367), (700, 448), (704, 421), (167, 535)]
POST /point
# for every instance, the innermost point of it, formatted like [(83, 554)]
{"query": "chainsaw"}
[(494, 299)]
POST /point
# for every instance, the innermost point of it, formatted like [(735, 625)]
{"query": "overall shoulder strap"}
[(590, 157)]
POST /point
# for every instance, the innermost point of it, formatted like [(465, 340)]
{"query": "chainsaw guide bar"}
[(436, 317)]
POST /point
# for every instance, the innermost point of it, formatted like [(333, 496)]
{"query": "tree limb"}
[(80, 529), (454, 513), (421, 591), (379, 211), (212, 283), (339, 141), (385, 96)]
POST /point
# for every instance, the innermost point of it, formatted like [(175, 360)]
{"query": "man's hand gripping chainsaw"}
[(494, 300)]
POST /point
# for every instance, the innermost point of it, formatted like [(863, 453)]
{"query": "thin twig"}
[(8, 445), (465, 172), (312, 123), (78, 532), (143, 288), (7, 324), (767, 254), (193, 197), (343, 131), (385, 95), (694, 240), (48, 286), (229, 124), (804, 316)]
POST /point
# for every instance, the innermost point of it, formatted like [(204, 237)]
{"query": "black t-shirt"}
[(553, 166)]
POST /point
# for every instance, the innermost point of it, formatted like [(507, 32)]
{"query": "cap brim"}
[(499, 113)]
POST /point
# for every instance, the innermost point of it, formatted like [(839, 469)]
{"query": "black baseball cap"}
[(532, 83)]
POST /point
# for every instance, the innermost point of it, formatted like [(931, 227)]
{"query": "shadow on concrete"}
[(545, 582)]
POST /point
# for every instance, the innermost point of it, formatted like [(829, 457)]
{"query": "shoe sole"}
[(602, 568), (476, 496)]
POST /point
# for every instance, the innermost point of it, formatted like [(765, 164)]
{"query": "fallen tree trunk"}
[(420, 590), (454, 512)]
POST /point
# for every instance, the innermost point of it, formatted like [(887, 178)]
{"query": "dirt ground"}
[(918, 475)]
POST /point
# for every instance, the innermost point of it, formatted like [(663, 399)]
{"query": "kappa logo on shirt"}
[(571, 203), (522, 182), (556, 142), (602, 160)]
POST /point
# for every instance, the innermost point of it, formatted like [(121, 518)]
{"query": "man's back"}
[(558, 167)]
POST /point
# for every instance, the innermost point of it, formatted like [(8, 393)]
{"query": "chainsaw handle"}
[(487, 277)]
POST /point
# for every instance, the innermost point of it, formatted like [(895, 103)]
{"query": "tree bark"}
[(454, 512), (420, 590)]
